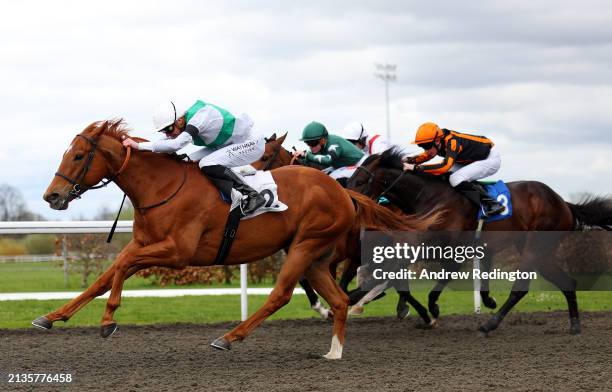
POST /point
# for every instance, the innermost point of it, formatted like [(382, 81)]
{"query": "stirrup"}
[(492, 209), (252, 203)]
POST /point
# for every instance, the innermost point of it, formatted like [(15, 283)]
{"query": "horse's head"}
[(377, 172), (383, 175), (275, 155), (83, 165)]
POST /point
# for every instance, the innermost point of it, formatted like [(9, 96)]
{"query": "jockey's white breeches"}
[(346, 171), (476, 170), (232, 155)]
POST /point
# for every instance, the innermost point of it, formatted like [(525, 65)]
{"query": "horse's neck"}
[(285, 156), (148, 177)]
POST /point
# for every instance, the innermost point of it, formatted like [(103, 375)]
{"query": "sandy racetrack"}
[(530, 352)]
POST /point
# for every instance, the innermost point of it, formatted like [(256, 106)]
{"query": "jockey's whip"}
[(112, 230)]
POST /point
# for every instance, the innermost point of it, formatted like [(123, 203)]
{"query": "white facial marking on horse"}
[(68, 149)]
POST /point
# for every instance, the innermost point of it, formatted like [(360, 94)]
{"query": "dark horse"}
[(536, 207), (276, 156)]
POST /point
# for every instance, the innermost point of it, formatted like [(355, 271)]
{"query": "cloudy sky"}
[(535, 76)]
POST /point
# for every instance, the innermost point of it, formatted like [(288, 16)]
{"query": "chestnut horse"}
[(180, 218)]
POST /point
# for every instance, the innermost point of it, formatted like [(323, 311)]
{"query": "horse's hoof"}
[(489, 302), (43, 323), (108, 329), (403, 312), (490, 325), (433, 324), (321, 310), (331, 355), (575, 326), (221, 344), (355, 310)]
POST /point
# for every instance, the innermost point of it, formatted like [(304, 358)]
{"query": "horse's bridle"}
[(387, 189), (78, 189), (272, 159)]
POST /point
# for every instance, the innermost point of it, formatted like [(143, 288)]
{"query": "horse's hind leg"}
[(519, 290), (419, 308), (487, 300), (337, 300), (402, 310), (554, 274), (293, 268), (315, 304), (434, 294), (349, 273)]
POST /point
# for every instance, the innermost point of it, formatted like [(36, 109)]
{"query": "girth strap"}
[(231, 228)]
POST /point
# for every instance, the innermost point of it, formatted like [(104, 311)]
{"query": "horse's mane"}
[(392, 158), (115, 128)]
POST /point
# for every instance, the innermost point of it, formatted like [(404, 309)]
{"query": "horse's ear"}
[(273, 137), (99, 130), (282, 138)]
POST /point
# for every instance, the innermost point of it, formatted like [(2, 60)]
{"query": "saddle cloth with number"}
[(262, 182), (497, 191)]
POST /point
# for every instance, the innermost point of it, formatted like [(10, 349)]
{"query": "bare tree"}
[(87, 253), (13, 206)]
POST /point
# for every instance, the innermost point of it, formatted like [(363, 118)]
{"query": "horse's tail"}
[(373, 216), (593, 211)]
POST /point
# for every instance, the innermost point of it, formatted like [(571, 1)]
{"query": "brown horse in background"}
[(180, 218), (536, 208)]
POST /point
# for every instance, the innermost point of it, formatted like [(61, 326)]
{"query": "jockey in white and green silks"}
[(227, 141), (330, 151)]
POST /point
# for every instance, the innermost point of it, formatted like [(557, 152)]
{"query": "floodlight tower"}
[(387, 73)]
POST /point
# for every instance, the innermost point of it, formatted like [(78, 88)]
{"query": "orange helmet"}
[(427, 133)]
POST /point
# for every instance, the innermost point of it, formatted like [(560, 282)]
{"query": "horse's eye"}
[(264, 158), (359, 183), (78, 157)]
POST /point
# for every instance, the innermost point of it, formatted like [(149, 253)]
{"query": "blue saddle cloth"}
[(498, 191)]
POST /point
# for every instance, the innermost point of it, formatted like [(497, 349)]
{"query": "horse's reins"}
[(168, 198), (387, 189)]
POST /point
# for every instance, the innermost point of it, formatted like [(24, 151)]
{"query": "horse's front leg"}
[(100, 286), (434, 294), (160, 254)]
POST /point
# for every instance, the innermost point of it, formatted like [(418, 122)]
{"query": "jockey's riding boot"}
[(478, 196), (225, 179)]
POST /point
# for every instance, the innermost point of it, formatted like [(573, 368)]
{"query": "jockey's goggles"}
[(168, 129), (426, 146), (312, 143)]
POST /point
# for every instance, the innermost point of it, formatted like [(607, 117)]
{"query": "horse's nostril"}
[(51, 197)]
